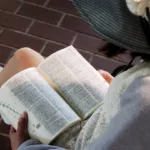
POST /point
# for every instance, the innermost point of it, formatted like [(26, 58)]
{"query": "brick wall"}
[(47, 26)]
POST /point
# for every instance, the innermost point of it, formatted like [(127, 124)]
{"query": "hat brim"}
[(112, 20)]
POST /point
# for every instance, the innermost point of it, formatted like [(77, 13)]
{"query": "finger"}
[(12, 130), (107, 76), (22, 124), (26, 119), (25, 116)]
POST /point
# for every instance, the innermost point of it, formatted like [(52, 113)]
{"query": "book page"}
[(49, 114), (81, 85)]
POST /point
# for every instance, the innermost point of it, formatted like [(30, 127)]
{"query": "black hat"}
[(122, 22)]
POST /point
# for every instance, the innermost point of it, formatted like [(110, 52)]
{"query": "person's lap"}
[(25, 58)]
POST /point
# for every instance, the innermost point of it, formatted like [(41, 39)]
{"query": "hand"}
[(17, 137), (107, 76)]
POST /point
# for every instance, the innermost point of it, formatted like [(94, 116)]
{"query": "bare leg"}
[(23, 58)]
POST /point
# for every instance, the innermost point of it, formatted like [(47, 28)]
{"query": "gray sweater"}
[(128, 130), (35, 145)]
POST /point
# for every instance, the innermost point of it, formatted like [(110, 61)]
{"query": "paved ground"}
[(47, 26)]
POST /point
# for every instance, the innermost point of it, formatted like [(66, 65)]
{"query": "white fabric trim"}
[(138, 7)]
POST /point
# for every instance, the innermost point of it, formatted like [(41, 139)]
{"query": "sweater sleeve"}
[(130, 128), (35, 145)]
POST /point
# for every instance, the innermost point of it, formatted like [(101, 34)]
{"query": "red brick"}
[(1, 28), (63, 5), (39, 2), (52, 48), (13, 21), (105, 63), (124, 57), (9, 5), (18, 40), (89, 43), (5, 53), (77, 24), (85, 55), (40, 13), (52, 33), (5, 143)]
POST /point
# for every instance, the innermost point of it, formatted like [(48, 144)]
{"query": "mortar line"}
[(91, 58), (46, 2), (5, 135), (16, 11), (74, 39), (42, 49), (1, 31), (30, 25), (61, 19)]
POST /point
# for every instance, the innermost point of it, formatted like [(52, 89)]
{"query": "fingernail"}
[(23, 115)]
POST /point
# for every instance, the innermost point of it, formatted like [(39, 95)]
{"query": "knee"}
[(27, 57), (22, 52), (27, 54)]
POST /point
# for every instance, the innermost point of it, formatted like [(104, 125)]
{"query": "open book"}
[(63, 90)]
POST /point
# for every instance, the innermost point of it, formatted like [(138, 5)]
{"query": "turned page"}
[(81, 85), (49, 114)]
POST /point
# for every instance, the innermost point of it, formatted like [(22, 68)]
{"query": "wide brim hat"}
[(114, 22)]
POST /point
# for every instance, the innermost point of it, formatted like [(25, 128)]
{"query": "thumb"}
[(23, 124), (12, 131), (107, 76)]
